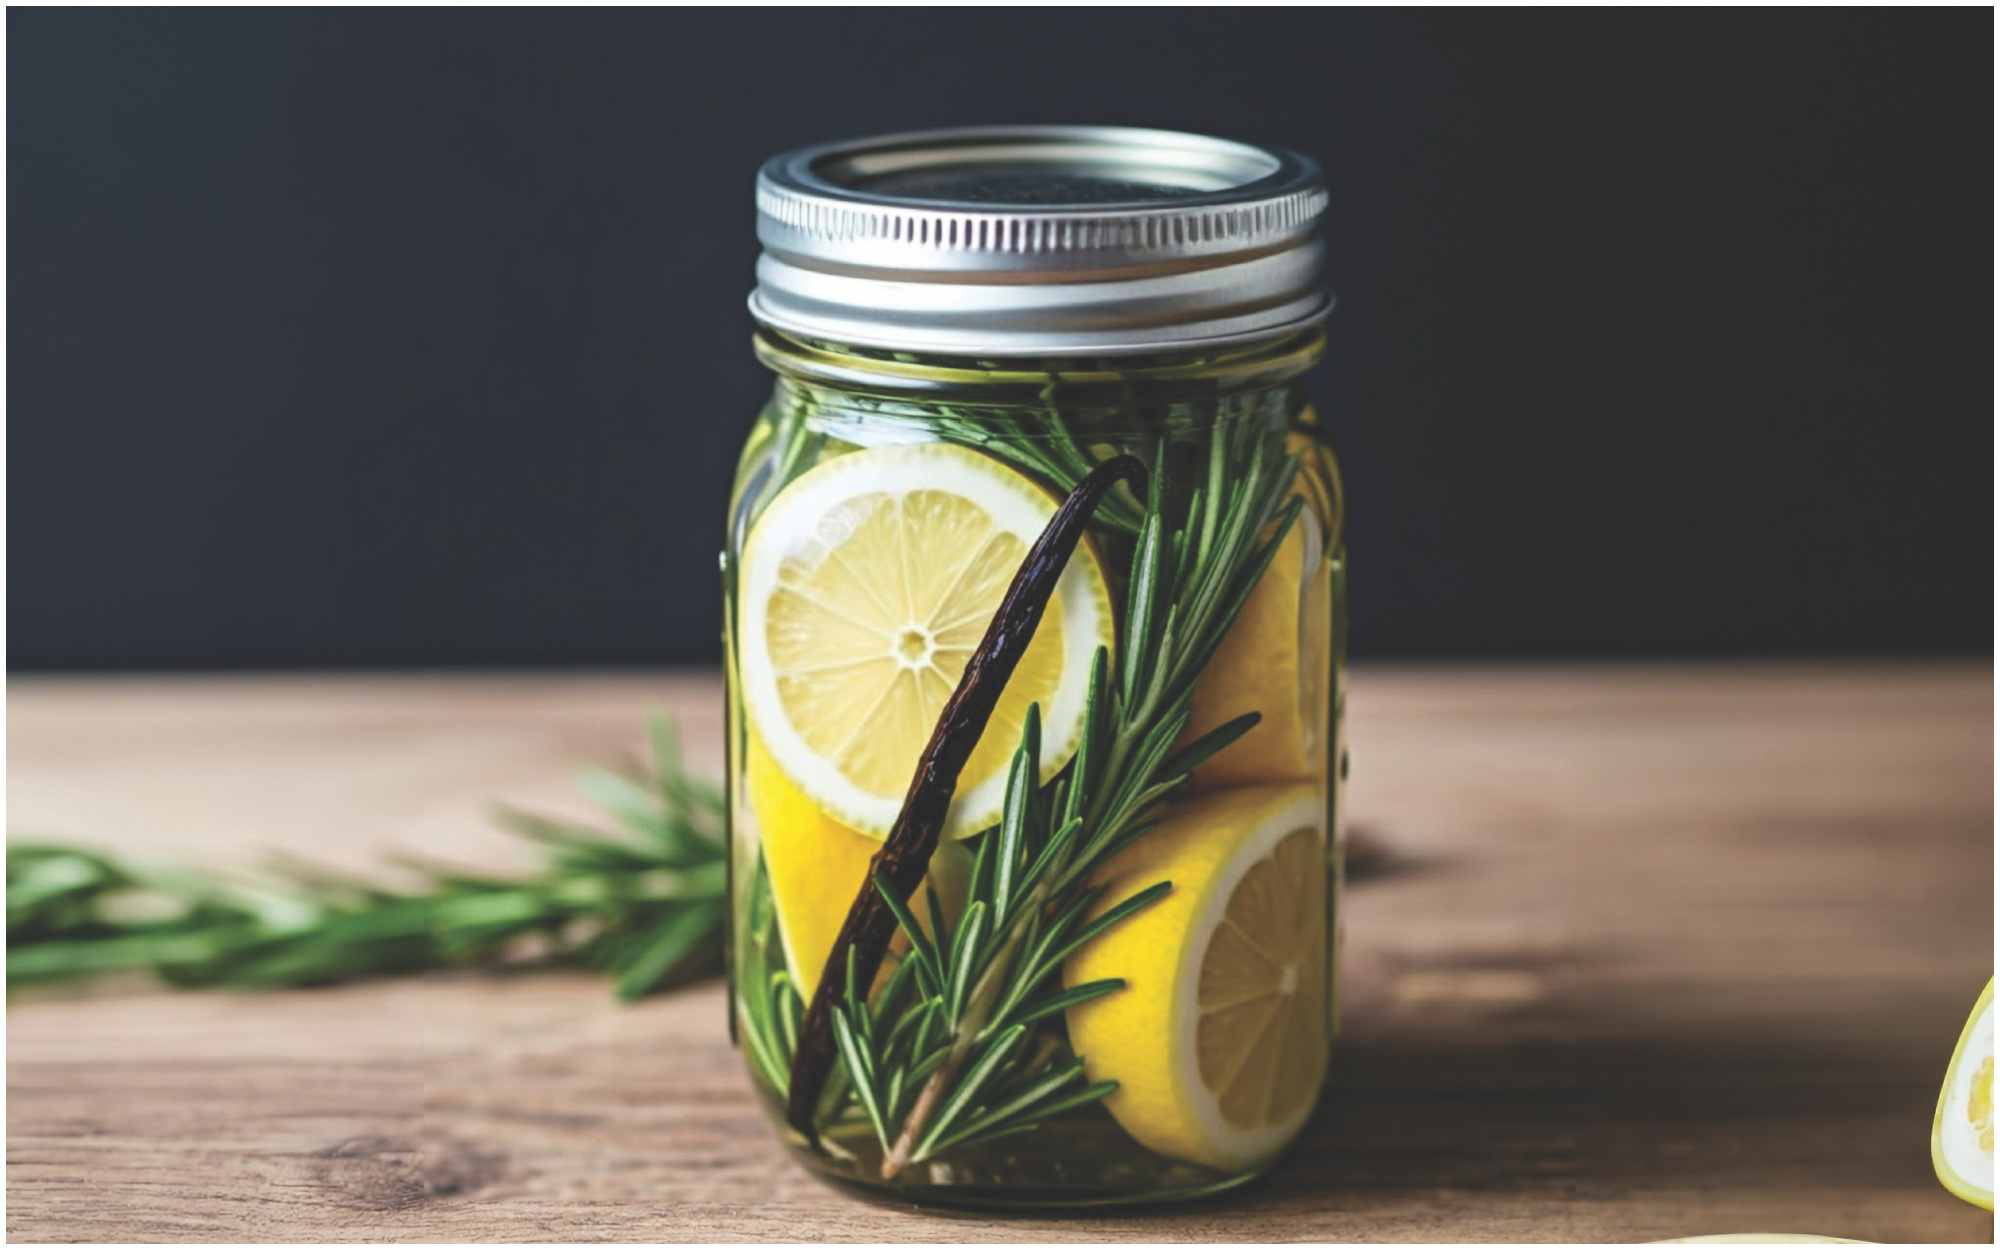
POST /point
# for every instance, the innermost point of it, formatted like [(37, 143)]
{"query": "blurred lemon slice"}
[(866, 585), (1218, 1040), (1759, 1239), (1962, 1132), (817, 866)]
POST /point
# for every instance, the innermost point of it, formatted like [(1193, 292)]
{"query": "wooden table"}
[(1662, 951)]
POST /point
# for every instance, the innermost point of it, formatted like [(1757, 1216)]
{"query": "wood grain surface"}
[(1655, 952)]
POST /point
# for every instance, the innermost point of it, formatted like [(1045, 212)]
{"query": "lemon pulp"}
[(1219, 1038), (1262, 1000), (867, 583), (1979, 1106)]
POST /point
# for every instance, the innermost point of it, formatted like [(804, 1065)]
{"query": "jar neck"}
[(1110, 381)]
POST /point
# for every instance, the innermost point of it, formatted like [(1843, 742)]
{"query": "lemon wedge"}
[(1276, 660), (865, 586), (817, 866), (1962, 1132), (1218, 1041)]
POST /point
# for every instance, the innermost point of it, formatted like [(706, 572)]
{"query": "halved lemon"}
[(817, 866), (1219, 1039), (1962, 1131), (1276, 660), (866, 585)]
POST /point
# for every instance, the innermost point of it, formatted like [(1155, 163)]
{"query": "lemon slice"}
[(1276, 660), (1218, 1041), (1760, 1239), (866, 585), (1962, 1132), (817, 865)]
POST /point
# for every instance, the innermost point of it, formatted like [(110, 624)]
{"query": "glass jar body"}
[(1119, 981)]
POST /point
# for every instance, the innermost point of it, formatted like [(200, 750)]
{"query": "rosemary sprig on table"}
[(643, 903), (940, 1058)]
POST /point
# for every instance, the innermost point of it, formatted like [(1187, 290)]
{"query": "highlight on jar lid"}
[(1040, 240)]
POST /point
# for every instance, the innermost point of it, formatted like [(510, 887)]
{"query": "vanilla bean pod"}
[(906, 853)]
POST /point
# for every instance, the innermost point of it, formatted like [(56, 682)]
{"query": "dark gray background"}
[(365, 338)]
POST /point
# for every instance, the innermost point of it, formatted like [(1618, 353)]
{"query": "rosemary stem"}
[(966, 1033), (1122, 745)]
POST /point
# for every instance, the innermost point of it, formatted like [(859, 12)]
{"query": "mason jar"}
[(1034, 630)]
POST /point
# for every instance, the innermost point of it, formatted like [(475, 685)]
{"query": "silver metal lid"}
[(1039, 240)]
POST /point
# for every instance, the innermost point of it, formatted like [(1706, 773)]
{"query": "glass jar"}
[(1112, 975)]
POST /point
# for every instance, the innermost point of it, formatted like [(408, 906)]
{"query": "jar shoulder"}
[(795, 431)]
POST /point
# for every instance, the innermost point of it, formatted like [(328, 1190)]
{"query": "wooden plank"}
[(1659, 951)]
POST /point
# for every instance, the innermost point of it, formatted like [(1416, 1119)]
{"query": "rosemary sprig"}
[(940, 1059), (905, 856), (643, 903)]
